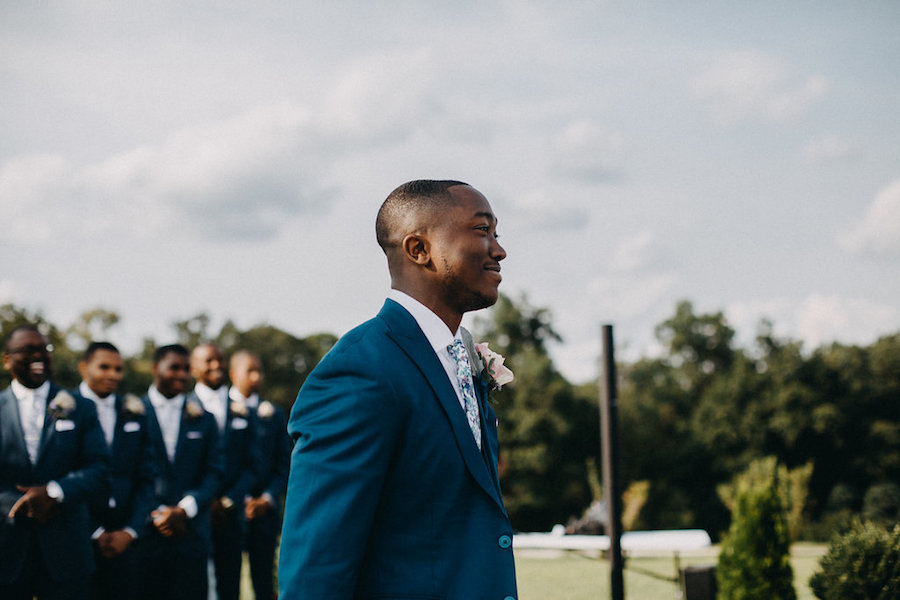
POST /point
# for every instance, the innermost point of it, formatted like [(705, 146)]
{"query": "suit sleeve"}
[(145, 474), (209, 483), (345, 427), (90, 477)]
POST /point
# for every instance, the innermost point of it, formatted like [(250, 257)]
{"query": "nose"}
[(497, 251)]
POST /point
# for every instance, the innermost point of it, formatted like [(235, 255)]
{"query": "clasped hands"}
[(113, 543), (170, 521), (35, 503)]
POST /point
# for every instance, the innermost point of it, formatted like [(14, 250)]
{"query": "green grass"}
[(574, 576), (555, 575)]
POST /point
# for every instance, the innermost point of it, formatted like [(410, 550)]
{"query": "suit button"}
[(510, 598), (504, 541)]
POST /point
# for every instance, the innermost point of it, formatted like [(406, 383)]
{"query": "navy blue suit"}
[(388, 495), (133, 469), (274, 447), (73, 453), (240, 463), (176, 567)]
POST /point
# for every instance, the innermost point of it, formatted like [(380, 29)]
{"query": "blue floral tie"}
[(464, 376)]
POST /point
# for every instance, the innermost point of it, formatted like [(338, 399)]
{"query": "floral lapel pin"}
[(238, 408), (132, 406), (193, 409), (494, 372), (266, 410), (62, 405)]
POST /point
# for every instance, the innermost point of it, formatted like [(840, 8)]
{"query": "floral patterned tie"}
[(464, 376)]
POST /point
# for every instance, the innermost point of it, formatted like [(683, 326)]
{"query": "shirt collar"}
[(85, 390), (235, 394), (207, 394), (21, 392), (161, 402), (435, 330)]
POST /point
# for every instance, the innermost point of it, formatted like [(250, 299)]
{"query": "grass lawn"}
[(574, 576), (557, 575)]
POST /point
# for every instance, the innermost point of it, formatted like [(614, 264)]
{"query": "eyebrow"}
[(487, 214)]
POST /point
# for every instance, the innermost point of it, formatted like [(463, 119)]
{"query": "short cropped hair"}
[(94, 347), (162, 351), (410, 198)]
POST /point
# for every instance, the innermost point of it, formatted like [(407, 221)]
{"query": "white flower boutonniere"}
[(193, 409), (62, 405), (266, 410), (133, 405), (237, 407), (494, 372)]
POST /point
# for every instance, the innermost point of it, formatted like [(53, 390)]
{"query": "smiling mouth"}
[(36, 367)]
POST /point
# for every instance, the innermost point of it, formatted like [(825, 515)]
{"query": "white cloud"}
[(633, 253), (747, 84), (878, 230), (586, 152), (829, 148), (817, 319)]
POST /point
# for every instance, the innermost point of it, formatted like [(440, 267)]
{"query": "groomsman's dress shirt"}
[(33, 410), (215, 401), (168, 414), (439, 336)]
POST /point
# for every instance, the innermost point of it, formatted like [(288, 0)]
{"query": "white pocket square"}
[(194, 435), (239, 423), (65, 425), (131, 426)]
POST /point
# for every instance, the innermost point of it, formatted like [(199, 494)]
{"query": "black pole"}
[(609, 440)]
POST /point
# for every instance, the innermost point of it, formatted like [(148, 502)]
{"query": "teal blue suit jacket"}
[(388, 495)]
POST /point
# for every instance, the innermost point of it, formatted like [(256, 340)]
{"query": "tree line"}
[(691, 419)]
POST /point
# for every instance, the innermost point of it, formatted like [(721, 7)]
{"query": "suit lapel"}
[(11, 424), (405, 332), (49, 429)]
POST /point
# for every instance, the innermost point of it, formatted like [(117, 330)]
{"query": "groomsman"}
[(175, 548), (53, 461), (236, 427), (262, 508), (119, 517)]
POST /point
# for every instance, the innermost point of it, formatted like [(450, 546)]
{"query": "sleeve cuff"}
[(189, 504), (55, 491), (97, 533), (131, 532)]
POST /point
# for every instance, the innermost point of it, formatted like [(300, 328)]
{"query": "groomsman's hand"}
[(256, 507), (113, 543), (36, 504), (171, 521)]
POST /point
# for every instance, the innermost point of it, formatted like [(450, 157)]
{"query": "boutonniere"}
[(62, 405), (238, 408), (133, 406), (494, 372), (193, 409), (266, 410)]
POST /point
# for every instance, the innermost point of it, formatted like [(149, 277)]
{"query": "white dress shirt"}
[(106, 411), (438, 335), (215, 401), (252, 402), (32, 410), (168, 414)]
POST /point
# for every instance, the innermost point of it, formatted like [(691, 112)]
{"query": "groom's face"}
[(466, 252)]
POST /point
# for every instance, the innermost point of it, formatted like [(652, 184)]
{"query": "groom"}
[(393, 490)]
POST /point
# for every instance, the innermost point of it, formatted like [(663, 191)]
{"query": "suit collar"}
[(11, 426), (405, 332)]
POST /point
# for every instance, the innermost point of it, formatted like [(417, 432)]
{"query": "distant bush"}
[(882, 503), (755, 559), (863, 564)]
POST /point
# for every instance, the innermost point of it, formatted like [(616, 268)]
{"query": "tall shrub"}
[(755, 559), (862, 564)]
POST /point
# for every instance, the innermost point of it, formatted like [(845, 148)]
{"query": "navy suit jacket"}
[(196, 471), (239, 456), (73, 453), (132, 472), (388, 495), (274, 447)]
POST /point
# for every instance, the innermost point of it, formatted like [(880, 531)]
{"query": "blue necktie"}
[(464, 376)]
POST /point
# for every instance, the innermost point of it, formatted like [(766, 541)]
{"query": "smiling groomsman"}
[(53, 461), (262, 508), (119, 518), (236, 432), (175, 548)]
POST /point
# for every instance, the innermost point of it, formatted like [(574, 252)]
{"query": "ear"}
[(82, 368), (416, 249)]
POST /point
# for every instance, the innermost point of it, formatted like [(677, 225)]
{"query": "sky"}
[(168, 158)]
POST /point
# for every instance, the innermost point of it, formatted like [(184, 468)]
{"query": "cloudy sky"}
[(166, 158)]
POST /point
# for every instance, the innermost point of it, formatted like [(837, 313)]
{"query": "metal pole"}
[(609, 438)]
